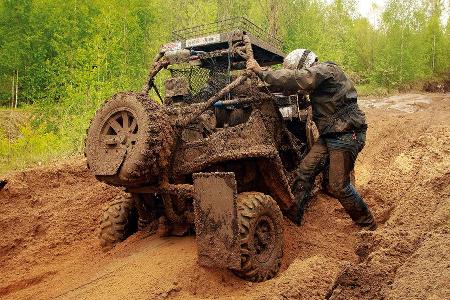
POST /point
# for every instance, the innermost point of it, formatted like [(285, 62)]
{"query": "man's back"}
[(333, 95), (334, 101)]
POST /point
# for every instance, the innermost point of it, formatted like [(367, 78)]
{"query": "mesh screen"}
[(203, 83)]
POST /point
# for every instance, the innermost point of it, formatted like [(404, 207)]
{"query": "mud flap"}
[(216, 223)]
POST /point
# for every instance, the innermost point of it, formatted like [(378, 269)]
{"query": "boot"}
[(357, 209), (367, 222), (296, 212)]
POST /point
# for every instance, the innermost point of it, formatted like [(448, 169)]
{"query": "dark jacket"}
[(333, 96)]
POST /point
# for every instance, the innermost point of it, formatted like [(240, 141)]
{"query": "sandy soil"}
[(49, 218)]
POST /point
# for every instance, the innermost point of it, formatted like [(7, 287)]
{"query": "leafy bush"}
[(33, 146)]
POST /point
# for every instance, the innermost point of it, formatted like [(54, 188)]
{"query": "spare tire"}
[(129, 141)]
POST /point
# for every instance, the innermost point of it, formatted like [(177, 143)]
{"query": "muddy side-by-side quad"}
[(216, 157)]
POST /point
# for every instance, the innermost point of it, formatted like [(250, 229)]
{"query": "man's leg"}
[(309, 168), (341, 164)]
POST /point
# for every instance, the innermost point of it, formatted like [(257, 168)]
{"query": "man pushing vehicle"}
[(341, 124)]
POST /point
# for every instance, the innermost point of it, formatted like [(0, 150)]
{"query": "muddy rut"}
[(49, 220)]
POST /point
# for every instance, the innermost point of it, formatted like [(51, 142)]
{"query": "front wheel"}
[(119, 221), (261, 236)]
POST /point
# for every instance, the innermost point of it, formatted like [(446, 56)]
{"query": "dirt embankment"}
[(407, 165), (49, 218)]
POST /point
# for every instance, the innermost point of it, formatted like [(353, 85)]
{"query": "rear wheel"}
[(261, 236), (119, 222)]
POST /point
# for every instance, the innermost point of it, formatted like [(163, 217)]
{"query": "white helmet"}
[(299, 58)]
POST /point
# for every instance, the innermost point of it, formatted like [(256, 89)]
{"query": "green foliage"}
[(34, 145), (71, 55), (372, 90)]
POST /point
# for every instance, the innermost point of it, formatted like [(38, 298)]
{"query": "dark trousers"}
[(338, 154)]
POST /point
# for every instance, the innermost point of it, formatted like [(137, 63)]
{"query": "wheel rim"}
[(120, 131), (264, 239)]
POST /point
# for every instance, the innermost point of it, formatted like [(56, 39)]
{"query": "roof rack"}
[(227, 25)]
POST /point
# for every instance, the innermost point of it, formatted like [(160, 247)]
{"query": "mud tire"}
[(119, 222), (147, 158), (256, 210)]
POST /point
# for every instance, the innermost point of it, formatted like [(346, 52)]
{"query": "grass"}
[(365, 90), (23, 144)]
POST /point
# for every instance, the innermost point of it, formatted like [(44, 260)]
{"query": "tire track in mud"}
[(110, 271)]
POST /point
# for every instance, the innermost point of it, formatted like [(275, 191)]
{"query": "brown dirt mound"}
[(50, 249), (49, 218), (408, 165), (44, 212)]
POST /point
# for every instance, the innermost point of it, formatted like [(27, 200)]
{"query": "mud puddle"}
[(403, 103)]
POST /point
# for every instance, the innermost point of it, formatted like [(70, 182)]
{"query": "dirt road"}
[(49, 218)]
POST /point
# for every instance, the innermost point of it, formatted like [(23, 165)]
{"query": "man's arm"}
[(292, 80)]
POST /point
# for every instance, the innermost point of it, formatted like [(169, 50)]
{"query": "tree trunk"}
[(17, 88), (273, 17), (13, 88), (401, 57), (434, 53)]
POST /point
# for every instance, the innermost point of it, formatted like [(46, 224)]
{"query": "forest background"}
[(60, 59)]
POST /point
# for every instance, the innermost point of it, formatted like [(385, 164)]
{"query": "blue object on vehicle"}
[(218, 104)]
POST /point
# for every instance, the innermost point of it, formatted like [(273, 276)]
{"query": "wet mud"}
[(49, 218)]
